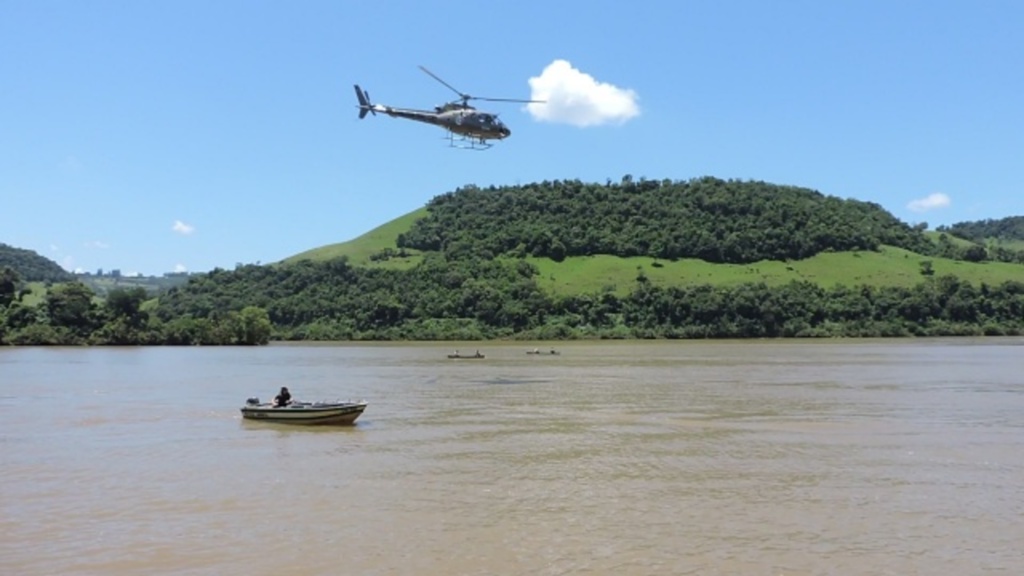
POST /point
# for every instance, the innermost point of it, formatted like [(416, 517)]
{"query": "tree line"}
[(71, 315), (490, 299), (1010, 228), (473, 283)]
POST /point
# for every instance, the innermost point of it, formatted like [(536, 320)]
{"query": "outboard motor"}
[(253, 402)]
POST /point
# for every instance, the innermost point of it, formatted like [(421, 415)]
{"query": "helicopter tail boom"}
[(364, 102)]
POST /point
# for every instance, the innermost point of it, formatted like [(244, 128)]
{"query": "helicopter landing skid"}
[(466, 143)]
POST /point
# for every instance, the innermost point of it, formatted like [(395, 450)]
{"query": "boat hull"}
[(306, 413)]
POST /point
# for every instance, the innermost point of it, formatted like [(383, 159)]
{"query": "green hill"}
[(1003, 238), (706, 258), (1009, 229), (369, 248), (885, 265), (715, 220), (701, 259), (889, 266), (31, 266)]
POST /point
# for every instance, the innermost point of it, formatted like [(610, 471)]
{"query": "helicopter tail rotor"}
[(364, 102)]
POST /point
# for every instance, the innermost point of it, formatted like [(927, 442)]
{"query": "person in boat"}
[(283, 398)]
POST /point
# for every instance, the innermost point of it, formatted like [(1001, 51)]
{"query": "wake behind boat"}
[(304, 412)]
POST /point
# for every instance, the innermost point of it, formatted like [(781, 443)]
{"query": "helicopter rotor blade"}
[(508, 100), (450, 87), (466, 97)]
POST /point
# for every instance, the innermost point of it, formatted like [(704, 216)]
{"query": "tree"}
[(9, 281), (975, 253), (126, 304), (253, 326), (70, 306)]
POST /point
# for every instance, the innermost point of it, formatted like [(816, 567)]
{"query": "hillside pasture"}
[(360, 249), (888, 267), (37, 294), (602, 273)]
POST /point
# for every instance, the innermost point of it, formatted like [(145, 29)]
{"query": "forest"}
[(31, 266), (715, 220), (71, 315), (477, 299), (473, 281), (1010, 228)]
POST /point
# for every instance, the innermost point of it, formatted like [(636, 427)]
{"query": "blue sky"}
[(154, 136)]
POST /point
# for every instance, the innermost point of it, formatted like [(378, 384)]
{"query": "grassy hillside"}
[(359, 250), (957, 241), (1009, 228), (37, 294), (102, 286), (1003, 243), (889, 267)]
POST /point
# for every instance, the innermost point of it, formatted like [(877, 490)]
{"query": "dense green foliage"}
[(468, 272), (9, 282), (997, 240), (936, 307), (30, 266), (715, 220), (70, 315), (478, 299), (1011, 228), (336, 301)]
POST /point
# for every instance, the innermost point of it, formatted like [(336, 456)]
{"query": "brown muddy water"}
[(827, 457)]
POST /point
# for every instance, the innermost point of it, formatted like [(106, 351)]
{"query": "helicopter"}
[(466, 127)]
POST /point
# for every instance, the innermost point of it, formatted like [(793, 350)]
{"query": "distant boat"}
[(538, 352), (476, 356), (304, 412)]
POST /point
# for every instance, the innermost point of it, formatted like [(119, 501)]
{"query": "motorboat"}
[(323, 412), (539, 352), (478, 355)]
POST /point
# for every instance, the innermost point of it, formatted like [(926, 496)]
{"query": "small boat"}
[(304, 412), (536, 351), (468, 356)]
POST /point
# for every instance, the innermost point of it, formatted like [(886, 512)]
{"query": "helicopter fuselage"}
[(464, 121), (473, 127)]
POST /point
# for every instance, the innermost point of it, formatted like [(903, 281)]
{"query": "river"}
[(842, 457)]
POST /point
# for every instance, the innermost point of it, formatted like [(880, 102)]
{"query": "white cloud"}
[(97, 244), (182, 228), (180, 268), (573, 97), (68, 263), (929, 202), (54, 248)]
